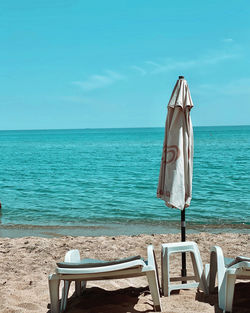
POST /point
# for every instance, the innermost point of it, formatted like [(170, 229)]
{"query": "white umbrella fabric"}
[(175, 179)]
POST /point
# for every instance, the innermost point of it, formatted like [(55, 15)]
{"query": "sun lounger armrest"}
[(239, 267), (217, 266), (216, 254), (72, 256), (152, 264), (151, 256)]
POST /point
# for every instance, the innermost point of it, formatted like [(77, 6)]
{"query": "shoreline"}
[(115, 229)]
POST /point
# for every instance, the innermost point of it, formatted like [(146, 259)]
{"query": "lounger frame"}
[(118, 271), (226, 277)]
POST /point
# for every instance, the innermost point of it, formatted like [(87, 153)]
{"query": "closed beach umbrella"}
[(175, 179)]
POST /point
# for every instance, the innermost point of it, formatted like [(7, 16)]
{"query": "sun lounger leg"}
[(83, 285), (154, 290), (80, 286), (165, 274), (54, 282), (65, 292), (226, 293), (207, 274), (212, 273)]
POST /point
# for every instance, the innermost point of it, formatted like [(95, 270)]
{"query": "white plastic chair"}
[(226, 276), (117, 270)]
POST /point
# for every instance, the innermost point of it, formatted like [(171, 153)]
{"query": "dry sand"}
[(26, 262)]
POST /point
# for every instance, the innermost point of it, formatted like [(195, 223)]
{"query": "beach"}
[(26, 263)]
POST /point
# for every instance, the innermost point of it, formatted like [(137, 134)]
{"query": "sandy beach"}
[(26, 263)]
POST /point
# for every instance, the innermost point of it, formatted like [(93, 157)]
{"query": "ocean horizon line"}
[(109, 128)]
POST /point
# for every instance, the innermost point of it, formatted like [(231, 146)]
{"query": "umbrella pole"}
[(183, 238)]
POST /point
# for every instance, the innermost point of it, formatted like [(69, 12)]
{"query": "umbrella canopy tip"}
[(181, 77)]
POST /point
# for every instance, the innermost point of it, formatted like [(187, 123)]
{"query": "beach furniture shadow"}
[(81, 271), (241, 300), (96, 300)]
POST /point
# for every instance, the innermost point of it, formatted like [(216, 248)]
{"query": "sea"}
[(104, 182)]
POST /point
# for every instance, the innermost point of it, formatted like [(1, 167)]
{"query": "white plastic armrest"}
[(72, 256), (239, 267), (151, 257), (217, 265), (219, 255)]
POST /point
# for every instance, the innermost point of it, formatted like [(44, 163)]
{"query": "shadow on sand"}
[(96, 300), (241, 302)]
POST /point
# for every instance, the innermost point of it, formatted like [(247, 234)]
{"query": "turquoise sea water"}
[(98, 177)]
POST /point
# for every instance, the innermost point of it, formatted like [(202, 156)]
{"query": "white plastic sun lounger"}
[(81, 271), (226, 276)]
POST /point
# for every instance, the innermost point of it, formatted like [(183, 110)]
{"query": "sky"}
[(104, 64)]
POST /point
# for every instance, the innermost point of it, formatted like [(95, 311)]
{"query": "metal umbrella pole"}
[(183, 238)]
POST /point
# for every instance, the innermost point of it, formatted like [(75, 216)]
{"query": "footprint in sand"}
[(28, 306)]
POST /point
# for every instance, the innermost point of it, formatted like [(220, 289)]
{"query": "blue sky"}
[(89, 64)]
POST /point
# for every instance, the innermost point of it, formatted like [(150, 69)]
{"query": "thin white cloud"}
[(99, 81), (229, 40), (139, 69), (76, 99), (154, 64), (170, 64), (236, 87)]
